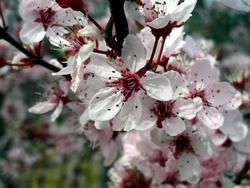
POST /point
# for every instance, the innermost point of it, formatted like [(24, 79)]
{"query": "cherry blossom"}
[(185, 148), (124, 85), (43, 17), (77, 46), (55, 102), (171, 13), (203, 83)]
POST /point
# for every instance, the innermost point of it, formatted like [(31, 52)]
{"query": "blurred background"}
[(36, 153)]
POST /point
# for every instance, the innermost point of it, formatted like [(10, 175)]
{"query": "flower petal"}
[(131, 113), (32, 33), (157, 86), (85, 52), (105, 104), (211, 117), (220, 93), (187, 108), (202, 73), (201, 143), (234, 126), (133, 53), (57, 111), (102, 67), (183, 11), (189, 168), (42, 107), (176, 81), (160, 137), (174, 126)]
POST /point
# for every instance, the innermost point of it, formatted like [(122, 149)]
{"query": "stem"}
[(35, 60), (161, 50), (101, 52), (149, 64), (120, 21), (95, 23)]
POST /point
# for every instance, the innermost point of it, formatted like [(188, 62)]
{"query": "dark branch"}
[(120, 21), (35, 60)]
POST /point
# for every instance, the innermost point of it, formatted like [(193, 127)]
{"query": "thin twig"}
[(35, 59)]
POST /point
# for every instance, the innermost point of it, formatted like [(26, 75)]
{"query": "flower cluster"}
[(159, 101)]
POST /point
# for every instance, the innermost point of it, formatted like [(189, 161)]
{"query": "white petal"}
[(85, 52), (42, 107), (160, 22), (159, 137), (32, 33), (234, 126), (117, 124), (105, 104), (189, 168), (187, 108), (176, 81), (148, 118), (211, 117), (174, 42), (237, 4), (89, 87), (131, 113), (100, 124), (235, 102), (202, 73), (157, 86), (201, 143), (244, 145), (183, 11), (220, 93), (133, 53), (57, 111), (174, 126), (103, 68)]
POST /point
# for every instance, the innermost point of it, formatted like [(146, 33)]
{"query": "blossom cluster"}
[(159, 101)]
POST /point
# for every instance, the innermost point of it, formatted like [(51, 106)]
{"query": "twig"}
[(35, 59)]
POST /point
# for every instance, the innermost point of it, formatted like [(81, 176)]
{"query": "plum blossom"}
[(202, 79), (43, 18), (171, 13), (185, 147), (109, 140), (170, 115), (55, 101), (123, 85)]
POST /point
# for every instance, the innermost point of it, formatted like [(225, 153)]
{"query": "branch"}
[(35, 60), (120, 21)]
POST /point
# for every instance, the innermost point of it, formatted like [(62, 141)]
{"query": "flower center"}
[(46, 17), (163, 111), (76, 43), (201, 94), (181, 144), (129, 83)]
